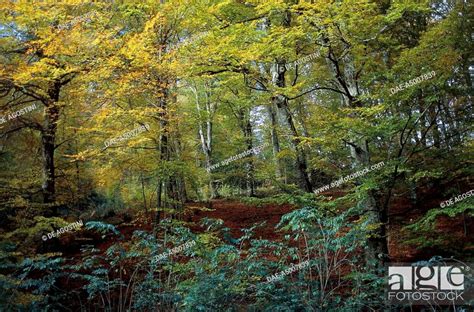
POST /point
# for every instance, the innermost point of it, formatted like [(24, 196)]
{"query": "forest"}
[(236, 155)]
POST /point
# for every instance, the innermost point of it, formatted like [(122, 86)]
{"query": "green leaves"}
[(102, 227), (428, 221)]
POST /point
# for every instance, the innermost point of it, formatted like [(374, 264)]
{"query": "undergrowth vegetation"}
[(214, 275)]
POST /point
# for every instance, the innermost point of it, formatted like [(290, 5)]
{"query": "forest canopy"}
[(231, 155)]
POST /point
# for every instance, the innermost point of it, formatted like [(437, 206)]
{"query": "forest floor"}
[(237, 216)]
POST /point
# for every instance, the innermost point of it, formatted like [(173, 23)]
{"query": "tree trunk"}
[(48, 140), (159, 202), (49, 178), (143, 192), (250, 179), (174, 196), (275, 140), (375, 212), (377, 247), (164, 152), (433, 115), (206, 136), (281, 102)]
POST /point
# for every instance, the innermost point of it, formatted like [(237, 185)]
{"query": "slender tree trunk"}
[(48, 140), (143, 193), (49, 178), (164, 153), (425, 121), (250, 179), (433, 115), (159, 203), (444, 117), (281, 102), (275, 140), (206, 136), (300, 154)]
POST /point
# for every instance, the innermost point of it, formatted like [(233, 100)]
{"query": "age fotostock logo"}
[(437, 284)]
